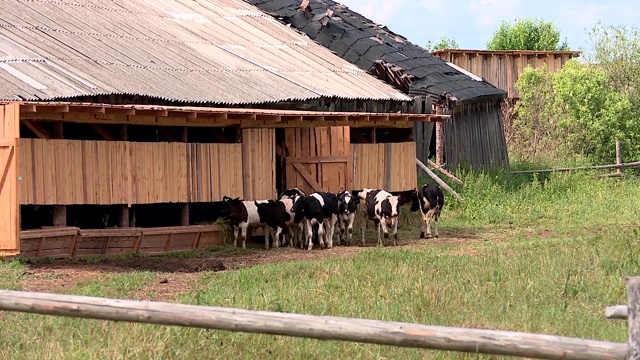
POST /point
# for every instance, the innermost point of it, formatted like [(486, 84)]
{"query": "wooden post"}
[(438, 180), (184, 213), (633, 295), (439, 139), (59, 211), (474, 341), (619, 157), (124, 208)]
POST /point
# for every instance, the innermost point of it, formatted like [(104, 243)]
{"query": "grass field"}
[(535, 254)]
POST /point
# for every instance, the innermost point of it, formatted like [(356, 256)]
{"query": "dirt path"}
[(175, 275)]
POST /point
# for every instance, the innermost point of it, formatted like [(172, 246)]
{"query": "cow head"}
[(389, 208), (347, 202), (299, 205)]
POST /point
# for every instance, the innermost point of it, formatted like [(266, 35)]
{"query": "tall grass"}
[(556, 251)]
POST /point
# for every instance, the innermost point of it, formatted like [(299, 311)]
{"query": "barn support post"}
[(124, 208), (633, 314), (59, 211), (439, 139), (184, 213)]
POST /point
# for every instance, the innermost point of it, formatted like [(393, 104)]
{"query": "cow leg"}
[(236, 231), (424, 227), (332, 229), (341, 229), (266, 230), (436, 219), (351, 218), (321, 233), (427, 222), (243, 234), (383, 222), (309, 235), (379, 225)]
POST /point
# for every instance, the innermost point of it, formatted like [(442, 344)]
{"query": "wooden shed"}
[(130, 149), (45, 169), (503, 68)]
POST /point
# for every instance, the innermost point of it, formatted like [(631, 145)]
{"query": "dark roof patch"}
[(361, 42)]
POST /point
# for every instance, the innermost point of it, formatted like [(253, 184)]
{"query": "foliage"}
[(523, 252), (527, 34), (445, 43), (584, 107)]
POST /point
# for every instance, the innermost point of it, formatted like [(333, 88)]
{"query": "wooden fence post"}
[(633, 295), (619, 157)]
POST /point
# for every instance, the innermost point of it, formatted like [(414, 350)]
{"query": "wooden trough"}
[(56, 242)]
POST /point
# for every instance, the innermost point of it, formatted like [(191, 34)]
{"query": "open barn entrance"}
[(318, 158)]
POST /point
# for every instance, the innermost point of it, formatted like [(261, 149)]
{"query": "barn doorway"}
[(317, 159)]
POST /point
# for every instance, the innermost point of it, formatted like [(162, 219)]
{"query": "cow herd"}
[(297, 219)]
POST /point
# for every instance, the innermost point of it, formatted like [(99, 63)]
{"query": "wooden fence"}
[(336, 328)]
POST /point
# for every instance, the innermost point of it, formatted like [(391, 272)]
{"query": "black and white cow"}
[(294, 235), (347, 207), (430, 200), (382, 208), (243, 214), (320, 209)]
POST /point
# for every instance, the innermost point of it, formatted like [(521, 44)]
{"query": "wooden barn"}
[(503, 68), (474, 135), (123, 124)]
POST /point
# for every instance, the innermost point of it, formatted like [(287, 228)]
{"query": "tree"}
[(444, 43), (527, 34)]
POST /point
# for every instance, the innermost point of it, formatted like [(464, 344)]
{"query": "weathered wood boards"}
[(318, 158), (390, 166), (9, 207), (119, 172), (62, 242)]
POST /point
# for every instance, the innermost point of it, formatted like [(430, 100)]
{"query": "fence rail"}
[(320, 327)]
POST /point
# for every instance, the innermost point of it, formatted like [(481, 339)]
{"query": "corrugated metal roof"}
[(218, 51)]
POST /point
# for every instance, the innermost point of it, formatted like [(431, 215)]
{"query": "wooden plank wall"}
[(503, 69), (9, 187), (475, 136), (390, 166), (67, 172), (330, 147), (259, 166), (214, 170)]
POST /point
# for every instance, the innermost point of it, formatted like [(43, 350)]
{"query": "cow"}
[(429, 199), (382, 208), (320, 209), (242, 214), (295, 230), (347, 207)]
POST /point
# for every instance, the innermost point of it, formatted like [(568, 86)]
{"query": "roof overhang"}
[(208, 116)]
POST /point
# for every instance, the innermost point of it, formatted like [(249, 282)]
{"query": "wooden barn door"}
[(318, 158), (9, 207)]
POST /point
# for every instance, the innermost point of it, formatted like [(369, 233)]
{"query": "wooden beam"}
[(184, 114), (152, 112), (633, 296), (241, 117), (314, 184), (119, 111), (52, 108), (37, 129), (617, 312), (400, 334), (27, 108), (211, 116), (317, 159), (87, 109), (103, 132), (438, 180), (269, 118)]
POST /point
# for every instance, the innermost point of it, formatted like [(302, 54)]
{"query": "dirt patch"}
[(175, 275)]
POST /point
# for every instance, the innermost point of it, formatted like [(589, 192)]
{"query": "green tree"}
[(445, 43), (527, 34)]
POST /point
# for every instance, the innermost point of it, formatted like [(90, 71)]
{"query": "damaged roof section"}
[(214, 52), (377, 49)]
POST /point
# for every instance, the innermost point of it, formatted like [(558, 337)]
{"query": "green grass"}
[(557, 249)]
